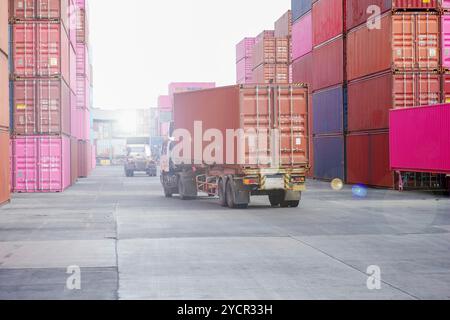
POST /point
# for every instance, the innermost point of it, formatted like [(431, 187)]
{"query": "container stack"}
[(83, 90), (40, 88), (329, 88), (393, 62), (4, 106)]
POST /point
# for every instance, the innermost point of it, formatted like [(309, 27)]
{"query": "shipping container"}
[(40, 10), (371, 98), (83, 93), (330, 111), (360, 11), (368, 160), (4, 93), (271, 50), (73, 160), (302, 70), (244, 70), (445, 41), (164, 103), (4, 27), (397, 45), (329, 157), (73, 70), (82, 61), (84, 159), (420, 139), (299, 8), (40, 49), (244, 49), (4, 167), (82, 25), (283, 26), (328, 64), (178, 87), (249, 107), (41, 106), (271, 73), (302, 37), (446, 88), (264, 35), (41, 164), (328, 20)]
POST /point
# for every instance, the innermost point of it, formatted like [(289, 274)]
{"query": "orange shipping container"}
[(4, 167), (4, 26), (271, 73), (4, 92), (405, 41), (271, 50)]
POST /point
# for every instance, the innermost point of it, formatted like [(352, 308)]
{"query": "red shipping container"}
[(271, 50), (283, 26), (4, 27), (302, 70), (40, 49), (368, 160), (328, 20), (271, 73), (41, 106), (4, 92), (420, 139), (399, 45), (4, 167), (357, 11), (40, 10), (371, 98), (446, 88), (328, 64)]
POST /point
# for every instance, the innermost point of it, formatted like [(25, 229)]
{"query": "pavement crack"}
[(353, 267)]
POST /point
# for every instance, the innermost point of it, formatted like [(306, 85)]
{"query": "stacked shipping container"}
[(46, 123), (4, 105)]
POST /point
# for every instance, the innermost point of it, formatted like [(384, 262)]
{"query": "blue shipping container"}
[(299, 8), (329, 157), (330, 111)]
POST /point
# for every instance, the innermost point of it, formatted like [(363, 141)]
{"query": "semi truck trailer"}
[(237, 142)]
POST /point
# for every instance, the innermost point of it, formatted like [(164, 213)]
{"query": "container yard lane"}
[(112, 237)]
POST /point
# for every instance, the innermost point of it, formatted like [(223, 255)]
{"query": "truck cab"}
[(139, 159)]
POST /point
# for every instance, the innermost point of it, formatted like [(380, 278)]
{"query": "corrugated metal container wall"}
[(164, 103), (357, 11), (369, 51), (271, 73), (283, 26), (416, 4), (368, 160), (244, 71), (329, 157), (302, 70), (4, 167), (178, 87), (299, 8), (302, 37), (40, 49), (40, 9), (73, 160), (328, 20), (4, 92), (41, 107), (445, 40), (84, 159), (446, 88), (416, 89), (329, 110), (41, 164), (420, 139), (445, 4), (4, 27), (244, 49), (73, 69), (328, 64), (271, 50)]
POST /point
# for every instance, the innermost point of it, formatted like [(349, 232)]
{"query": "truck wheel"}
[(167, 193), (230, 199), (222, 195), (290, 204), (276, 199), (181, 190)]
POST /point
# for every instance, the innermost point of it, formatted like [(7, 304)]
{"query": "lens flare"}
[(360, 191), (337, 184)]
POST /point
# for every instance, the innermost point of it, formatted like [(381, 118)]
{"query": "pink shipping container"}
[(302, 37), (445, 38), (83, 93), (76, 119), (328, 20), (73, 69), (94, 157), (244, 49), (164, 103), (40, 49), (417, 146), (445, 4), (83, 61), (244, 71), (41, 164), (4, 27)]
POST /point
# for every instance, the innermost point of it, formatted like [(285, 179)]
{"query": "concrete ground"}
[(131, 243)]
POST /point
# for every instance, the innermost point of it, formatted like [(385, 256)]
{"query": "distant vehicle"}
[(275, 108), (139, 158)]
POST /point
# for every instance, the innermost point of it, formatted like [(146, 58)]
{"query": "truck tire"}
[(222, 194), (276, 198), (230, 198), (167, 193)]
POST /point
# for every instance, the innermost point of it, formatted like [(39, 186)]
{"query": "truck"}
[(139, 157), (239, 141)]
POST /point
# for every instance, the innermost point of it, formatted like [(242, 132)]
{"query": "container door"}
[(404, 55), (24, 107), (25, 162), (427, 41), (50, 164), (24, 49), (49, 106)]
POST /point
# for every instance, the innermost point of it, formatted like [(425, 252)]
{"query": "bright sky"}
[(139, 46)]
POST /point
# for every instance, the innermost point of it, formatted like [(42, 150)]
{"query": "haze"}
[(139, 46)]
